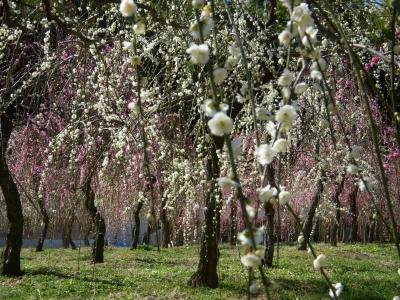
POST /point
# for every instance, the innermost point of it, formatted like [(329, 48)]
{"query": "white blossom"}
[(265, 154), (220, 75), (286, 78), (266, 193), (209, 107), (198, 3), (280, 145), (139, 28), (285, 37), (338, 290), (320, 262), (251, 260), (284, 197), (286, 114), (226, 182), (300, 239), (128, 8), (300, 88), (199, 54), (220, 124)]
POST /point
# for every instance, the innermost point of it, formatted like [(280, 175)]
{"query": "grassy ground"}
[(368, 272)]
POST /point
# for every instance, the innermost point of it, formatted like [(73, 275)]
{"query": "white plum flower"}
[(316, 75), (251, 260), (320, 262), (266, 193), (206, 24), (254, 288), (352, 169), (220, 75), (338, 290), (265, 154), (251, 211), (199, 54), (286, 114), (300, 88), (209, 107), (285, 37), (128, 8), (367, 182), (198, 3), (263, 114), (127, 45), (284, 197), (226, 182), (220, 124), (300, 239), (286, 78), (271, 128), (139, 28), (258, 234), (280, 145), (310, 36)]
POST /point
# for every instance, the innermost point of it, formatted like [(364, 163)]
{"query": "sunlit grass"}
[(367, 271)]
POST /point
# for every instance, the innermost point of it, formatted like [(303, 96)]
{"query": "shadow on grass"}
[(44, 271)]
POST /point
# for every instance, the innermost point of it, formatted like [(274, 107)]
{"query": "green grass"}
[(368, 272)]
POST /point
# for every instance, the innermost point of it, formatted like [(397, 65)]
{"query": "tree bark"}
[(308, 223), (353, 212), (11, 254), (206, 274), (136, 228), (335, 200), (98, 221), (45, 226), (269, 234), (166, 229)]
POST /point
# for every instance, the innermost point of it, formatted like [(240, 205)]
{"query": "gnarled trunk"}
[(98, 221), (136, 228), (166, 228), (308, 223), (43, 234), (11, 254)]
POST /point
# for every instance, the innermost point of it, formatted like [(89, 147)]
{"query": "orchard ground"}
[(367, 271)]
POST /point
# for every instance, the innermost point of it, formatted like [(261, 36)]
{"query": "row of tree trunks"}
[(11, 255)]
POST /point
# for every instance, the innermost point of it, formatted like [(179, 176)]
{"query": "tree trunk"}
[(11, 254), (98, 221), (166, 229), (269, 234), (86, 237), (206, 274), (336, 202), (136, 228), (308, 223), (353, 212), (43, 234)]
